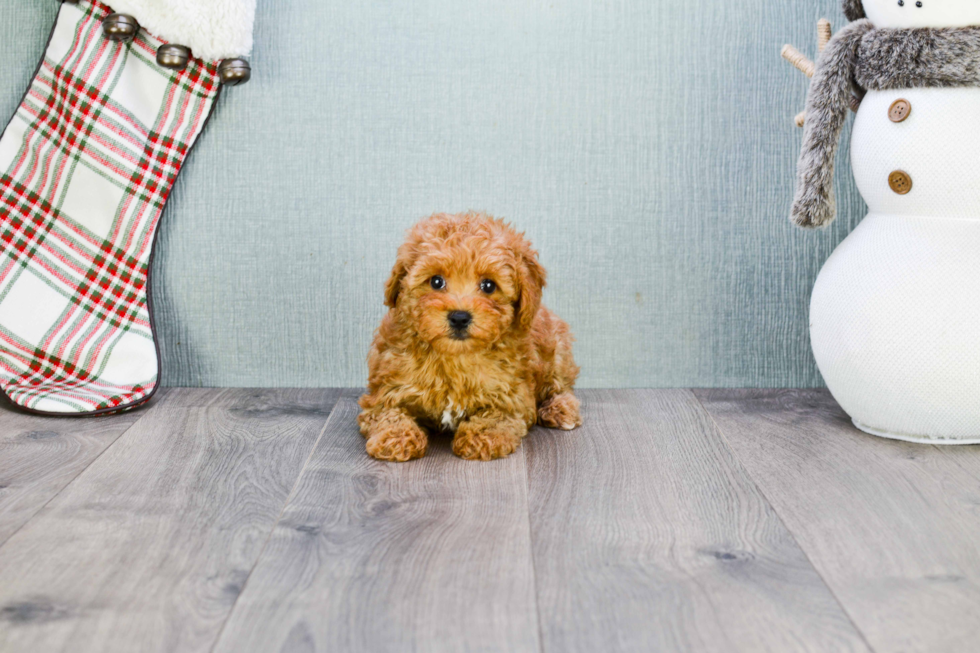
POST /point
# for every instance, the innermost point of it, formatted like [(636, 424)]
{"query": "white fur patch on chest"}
[(452, 416)]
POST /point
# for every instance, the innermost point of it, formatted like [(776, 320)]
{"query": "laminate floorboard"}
[(431, 555), (893, 527), (648, 535), (39, 456), (148, 548)]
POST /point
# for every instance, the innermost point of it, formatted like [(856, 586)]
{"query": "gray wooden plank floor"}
[(372, 556), (39, 456), (148, 548), (893, 527), (252, 520), (648, 535)]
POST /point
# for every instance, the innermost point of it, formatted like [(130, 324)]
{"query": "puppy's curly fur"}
[(508, 367)]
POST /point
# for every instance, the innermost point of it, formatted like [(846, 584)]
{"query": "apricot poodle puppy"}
[(466, 346)]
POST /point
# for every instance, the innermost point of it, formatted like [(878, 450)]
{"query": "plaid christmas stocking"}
[(86, 165)]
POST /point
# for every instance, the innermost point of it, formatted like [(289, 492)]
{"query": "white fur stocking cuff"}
[(212, 29)]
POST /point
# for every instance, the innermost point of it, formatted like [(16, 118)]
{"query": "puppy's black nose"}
[(459, 320)]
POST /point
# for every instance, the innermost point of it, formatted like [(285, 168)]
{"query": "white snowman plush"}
[(895, 312)]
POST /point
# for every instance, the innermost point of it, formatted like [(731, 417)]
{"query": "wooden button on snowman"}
[(895, 312)]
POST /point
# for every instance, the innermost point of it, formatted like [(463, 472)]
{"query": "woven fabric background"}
[(647, 148)]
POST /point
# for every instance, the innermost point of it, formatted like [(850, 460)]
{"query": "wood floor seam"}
[(272, 530), (649, 535), (782, 520), (530, 552), (54, 496), (430, 555), (150, 548)]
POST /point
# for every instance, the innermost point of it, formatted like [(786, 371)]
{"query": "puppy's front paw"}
[(560, 412), (398, 442), (486, 441)]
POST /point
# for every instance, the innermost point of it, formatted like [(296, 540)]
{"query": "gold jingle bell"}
[(121, 28), (234, 72), (174, 57)]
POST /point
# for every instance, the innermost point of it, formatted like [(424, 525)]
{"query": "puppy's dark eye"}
[(437, 282), (488, 286)]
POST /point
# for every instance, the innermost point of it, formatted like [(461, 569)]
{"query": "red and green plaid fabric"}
[(86, 165)]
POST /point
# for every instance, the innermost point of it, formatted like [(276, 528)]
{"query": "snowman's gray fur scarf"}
[(861, 58), (854, 9)]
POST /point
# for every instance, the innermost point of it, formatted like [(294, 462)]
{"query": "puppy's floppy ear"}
[(394, 284), (408, 254), (531, 281), (404, 262)]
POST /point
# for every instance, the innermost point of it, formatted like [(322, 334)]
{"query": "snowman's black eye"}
[(437, 282), (919, 5), (901, 3)]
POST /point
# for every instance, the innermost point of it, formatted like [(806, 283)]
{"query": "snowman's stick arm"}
[(805, 66), (799, 61), (824, 34)]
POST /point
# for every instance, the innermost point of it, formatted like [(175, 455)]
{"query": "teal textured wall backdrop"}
[(646, 146)]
